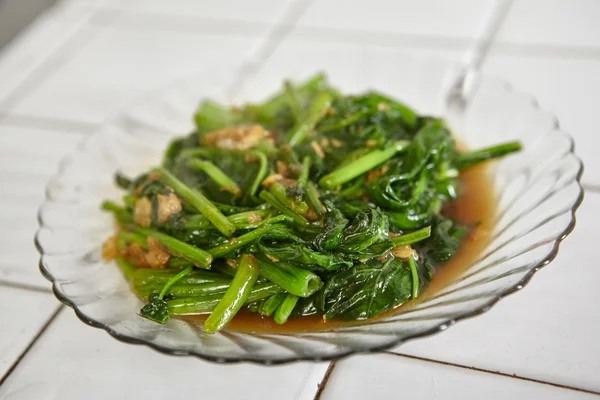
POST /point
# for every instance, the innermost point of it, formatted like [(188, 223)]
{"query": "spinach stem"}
[(285, 309), (240, 220), (198, 201), (224, 269), (355, 188), (178, 263), (217, 175), (304, 173), (283, 208), (413, 237), (312, 198), (280, 193), (247, 238), (129, 200), (194, 152), (295, 280), (275, 103), (120, 212), (133, 237), (269, 306), (207, 303), (292, 99), (184, 289), (174, 279), (211, 116), (361, 165), (253, 307), (108, 205), (315, 111), (146, 276), (260, 175), (412, 263), (469, 159), (201, 258), (235, 297), (344, 122)]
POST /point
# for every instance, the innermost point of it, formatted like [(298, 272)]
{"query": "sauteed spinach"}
[(312, 202)]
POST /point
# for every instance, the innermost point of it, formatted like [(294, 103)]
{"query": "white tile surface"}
[(548, 331), (552, 22), (568, 88), (183, 23), (449, 19), (72, 361), (348, 65), (24, 312), (98, 3), (388, 376), (262, 11), (51, 34), (75, 72), (28, 158), (118, 65)]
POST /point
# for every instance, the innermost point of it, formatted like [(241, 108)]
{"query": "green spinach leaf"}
[(367, 289)]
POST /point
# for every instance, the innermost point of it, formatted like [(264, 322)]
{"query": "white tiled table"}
[(83, 60)]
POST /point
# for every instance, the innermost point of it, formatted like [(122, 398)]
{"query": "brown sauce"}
[(475, 205)]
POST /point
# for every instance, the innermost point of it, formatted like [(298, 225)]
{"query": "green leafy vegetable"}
[(294, 280), (197, 200), (201, 258), (367, 229), (236, 295), (367, 289), (156, 310), (309, 203), (270, 305), (285, 309), (361, 165), (475, 157), (413, 237), (444, 242)]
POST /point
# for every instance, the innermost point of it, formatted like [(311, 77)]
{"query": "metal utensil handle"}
[(477, 53)]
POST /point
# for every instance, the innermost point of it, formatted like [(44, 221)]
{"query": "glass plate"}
[(539, 190)]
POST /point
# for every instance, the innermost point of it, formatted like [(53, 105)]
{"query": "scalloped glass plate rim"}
[(394, 341)]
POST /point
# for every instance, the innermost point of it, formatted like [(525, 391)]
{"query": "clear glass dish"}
[(538, 192)]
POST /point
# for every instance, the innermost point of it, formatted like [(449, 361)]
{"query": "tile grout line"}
[(407, 40), (32, 343), (548, 50), (149, 20), (174, 25), (25, 286), (487, 371), (269, 44), (478, 55), (271, 40), (325, 380), (43, 71), (285, 29), (508, 47), (381, 38), (49, 66), (48, 123)]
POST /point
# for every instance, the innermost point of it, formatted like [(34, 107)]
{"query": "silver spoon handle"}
[(478, 51)]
